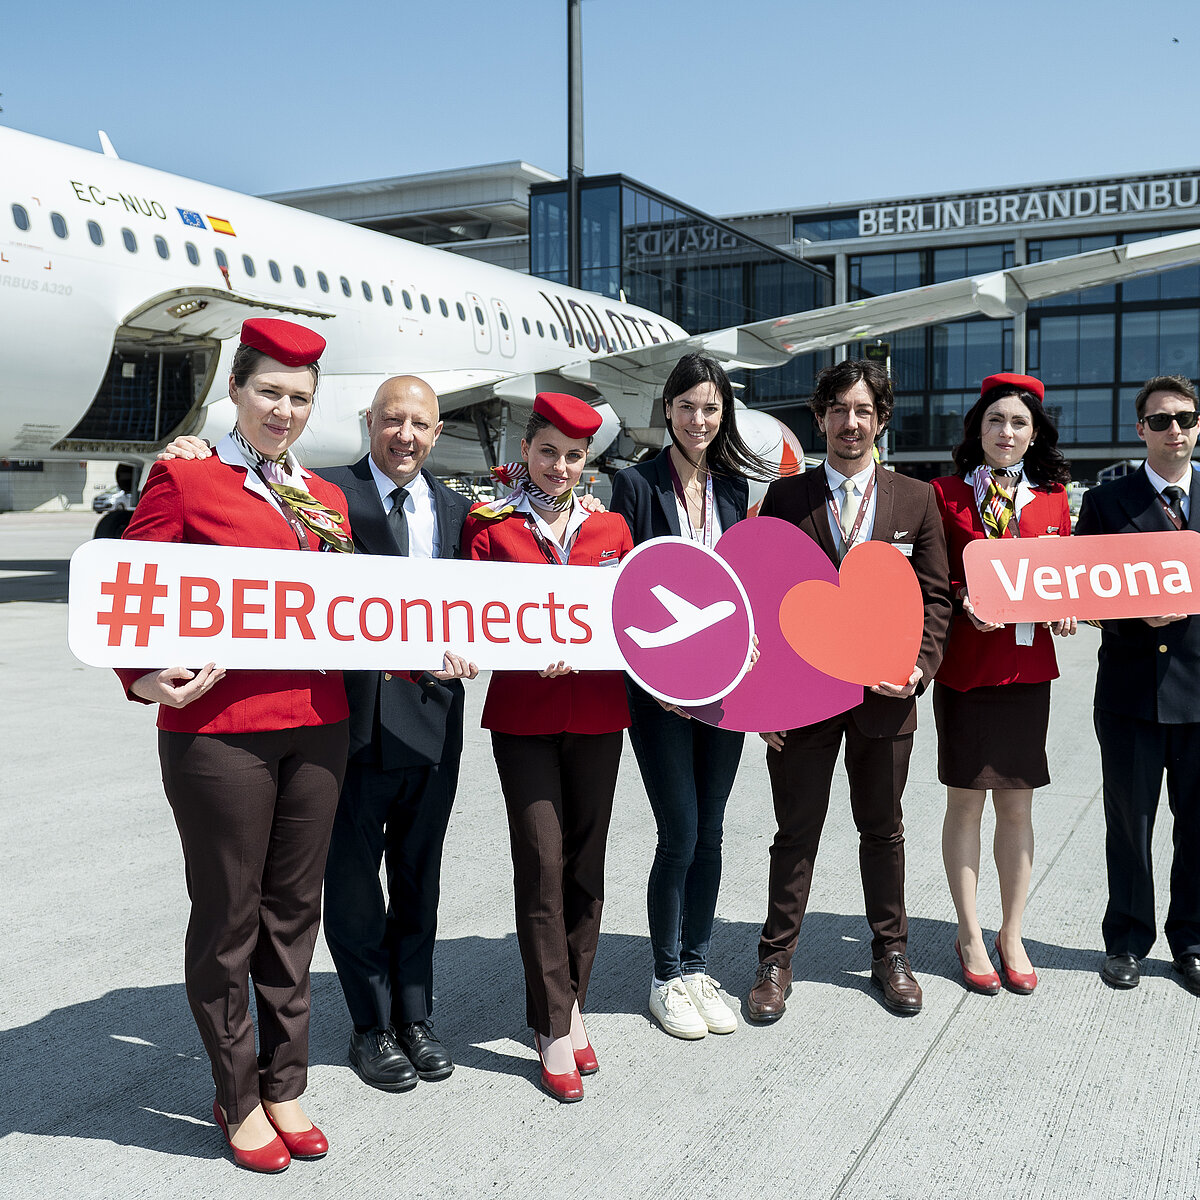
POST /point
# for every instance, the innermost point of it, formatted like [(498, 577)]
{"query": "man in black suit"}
[(406, 736), (1147, 704)]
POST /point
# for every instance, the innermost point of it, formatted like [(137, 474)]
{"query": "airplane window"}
[(525, 324), (345, 285), (462, 312), (58, 225), (160, 244), (366, 289), (444, 307), (387, 295), (541, 331), (299, 274), (323, 280), (129, 240), (20, 217), (503, 321), (554, 332), (192, 253), (222, 261), (273, 267), (407, 299), (96, 233), (479, 314), (248, 265), (425, 303)]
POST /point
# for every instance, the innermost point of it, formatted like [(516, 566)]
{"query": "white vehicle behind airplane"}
[(122, 290)]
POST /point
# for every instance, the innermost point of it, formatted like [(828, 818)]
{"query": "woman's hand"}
[(1064, 628), (982, 626), (554, 670), (899, 691), (185, 446), (177, 687), (673, 708), (774, 740), (454, 666), (592, 504)]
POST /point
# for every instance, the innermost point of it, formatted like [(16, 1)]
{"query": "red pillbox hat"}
[(572, 416), (286, 342), (1023, 383)]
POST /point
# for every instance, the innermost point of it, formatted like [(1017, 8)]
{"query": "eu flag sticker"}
[(191, 218)]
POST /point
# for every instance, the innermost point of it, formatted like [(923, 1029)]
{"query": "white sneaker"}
[(714, 1012), (672, 1008)]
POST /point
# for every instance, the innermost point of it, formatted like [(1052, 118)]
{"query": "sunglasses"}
[(1161, 422)]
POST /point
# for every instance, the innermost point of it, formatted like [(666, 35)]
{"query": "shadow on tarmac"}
[(46, 580)]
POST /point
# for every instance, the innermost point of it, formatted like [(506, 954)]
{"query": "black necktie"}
[(1174, 497), (398, 521)]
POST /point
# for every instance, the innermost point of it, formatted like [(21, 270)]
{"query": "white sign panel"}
[(159, 604)]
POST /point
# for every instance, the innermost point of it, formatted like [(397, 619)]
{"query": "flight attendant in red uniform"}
[(252, 761), (556, 738), (991, 698)]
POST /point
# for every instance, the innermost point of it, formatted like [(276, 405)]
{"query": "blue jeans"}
[(688, 769)]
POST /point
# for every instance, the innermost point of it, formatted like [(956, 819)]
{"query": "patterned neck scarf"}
[(995, 496), (282, 476), (516, 476)]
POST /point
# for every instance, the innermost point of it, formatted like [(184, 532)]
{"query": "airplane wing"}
[(679, 608), (631, 380)]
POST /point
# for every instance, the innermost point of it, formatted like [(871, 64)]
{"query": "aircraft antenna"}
[(106, 145)]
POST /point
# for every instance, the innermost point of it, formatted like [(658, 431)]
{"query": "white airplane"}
[(688, 619), (122, 290)]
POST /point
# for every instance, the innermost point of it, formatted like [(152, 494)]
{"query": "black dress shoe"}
[(424, 1050), (1188, 965), (377, 1057), (1121, 971)]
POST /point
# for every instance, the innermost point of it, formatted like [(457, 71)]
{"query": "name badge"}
[(608, 558), (905, 548)]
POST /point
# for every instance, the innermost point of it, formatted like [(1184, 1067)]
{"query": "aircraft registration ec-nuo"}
[(123, 288)]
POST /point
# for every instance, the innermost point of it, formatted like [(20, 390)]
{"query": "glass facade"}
[(652, 251)]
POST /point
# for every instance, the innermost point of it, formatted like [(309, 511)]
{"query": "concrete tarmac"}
[(1077, 1090)]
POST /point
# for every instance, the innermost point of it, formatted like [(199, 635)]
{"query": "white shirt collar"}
[(232, 455), (1158, 482), (579, 514), (836, 478), (416, 486)]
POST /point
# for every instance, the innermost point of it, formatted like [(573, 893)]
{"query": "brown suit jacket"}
[(906, 513)]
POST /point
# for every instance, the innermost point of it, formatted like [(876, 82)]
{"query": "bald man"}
[(406, 736)]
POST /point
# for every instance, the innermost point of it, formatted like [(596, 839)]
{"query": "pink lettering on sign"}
[(1092, 578)]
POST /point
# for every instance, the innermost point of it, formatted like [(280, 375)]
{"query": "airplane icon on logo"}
[(689, 620)]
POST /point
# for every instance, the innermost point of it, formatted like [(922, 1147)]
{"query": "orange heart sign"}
[(864, 629)]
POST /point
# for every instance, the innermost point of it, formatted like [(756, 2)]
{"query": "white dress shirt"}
[(579, 514), (419, 510), (1185, 485), (835, 480)]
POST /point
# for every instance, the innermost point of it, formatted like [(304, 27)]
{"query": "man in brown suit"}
[(850, 500)]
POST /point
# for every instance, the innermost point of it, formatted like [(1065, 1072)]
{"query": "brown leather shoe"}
[(765, 1003), (901, 991)]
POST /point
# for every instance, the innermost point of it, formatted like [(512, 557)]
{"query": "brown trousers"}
[(801, 774), (558, 789), (254, 813)]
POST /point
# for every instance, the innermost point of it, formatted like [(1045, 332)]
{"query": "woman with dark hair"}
[(991, 697), (695, 488), (252, 761), (556, 738)]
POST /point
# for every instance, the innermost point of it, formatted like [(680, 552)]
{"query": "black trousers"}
[(253, 812), (801, 775), (383, 948), (1133, 756), (558, 789)]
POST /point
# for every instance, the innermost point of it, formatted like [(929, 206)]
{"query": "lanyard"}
[(707, 505), (1175, 521), (550, 552), (850, 538)]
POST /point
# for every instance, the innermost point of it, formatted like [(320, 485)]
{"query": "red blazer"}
[(205, 502), (975, 659), (523, 702)]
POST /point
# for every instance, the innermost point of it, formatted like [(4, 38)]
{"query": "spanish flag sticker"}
[(220, 225)]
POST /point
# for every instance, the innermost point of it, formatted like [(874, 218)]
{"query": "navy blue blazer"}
[(1147, 673), (644, 496), (394, 721)]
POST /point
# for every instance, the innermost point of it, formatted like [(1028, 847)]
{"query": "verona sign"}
[(1092, 578)]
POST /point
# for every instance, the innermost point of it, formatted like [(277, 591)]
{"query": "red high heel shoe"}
[(984, 985), (308, 1143), (566, 1088), (1023, 985), (266, 1160), (585, 1060)]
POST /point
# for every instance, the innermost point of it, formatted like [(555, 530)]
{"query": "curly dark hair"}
[(833, 381), (1044, 462)]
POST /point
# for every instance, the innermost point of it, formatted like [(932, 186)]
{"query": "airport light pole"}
[(574, 139)]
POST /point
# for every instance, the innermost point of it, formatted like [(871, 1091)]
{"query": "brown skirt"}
[(993, 737)]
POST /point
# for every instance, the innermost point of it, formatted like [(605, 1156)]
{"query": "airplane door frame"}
[(504, 328), (477, 314)]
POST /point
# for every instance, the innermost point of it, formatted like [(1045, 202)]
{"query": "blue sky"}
[(729, 107)]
